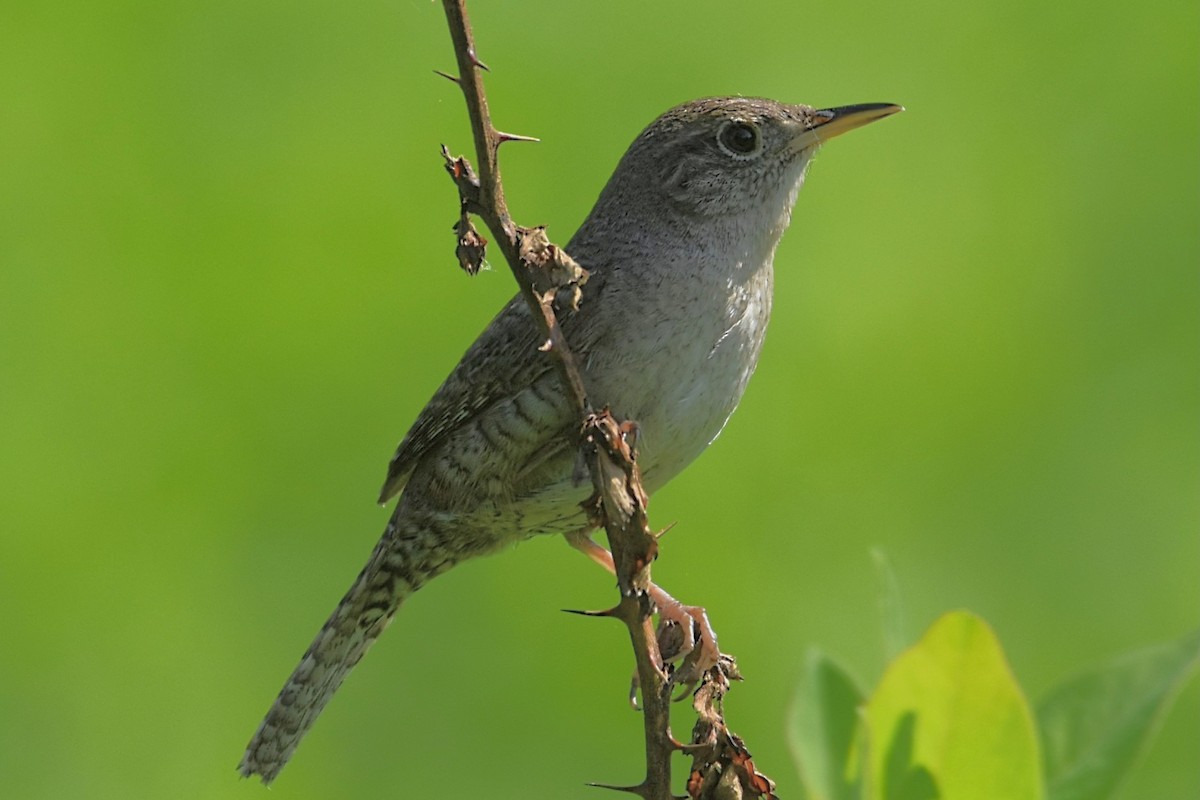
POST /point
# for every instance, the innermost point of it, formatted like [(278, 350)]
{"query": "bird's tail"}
[(405, 558)]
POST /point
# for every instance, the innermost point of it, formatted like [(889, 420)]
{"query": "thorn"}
[(608, 612), (502, 137), (545, 346), (640, 789), (447, 76), (475, 60), (665, 530)]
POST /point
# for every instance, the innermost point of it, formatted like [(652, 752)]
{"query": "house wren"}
[(680, 247)]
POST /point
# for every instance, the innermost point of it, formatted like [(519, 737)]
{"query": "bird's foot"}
[(685, 636), (684, 633)]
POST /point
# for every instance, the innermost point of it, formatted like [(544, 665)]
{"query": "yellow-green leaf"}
[(949, 721)]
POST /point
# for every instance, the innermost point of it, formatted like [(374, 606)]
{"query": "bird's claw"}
[(685, 635), (687, 644)]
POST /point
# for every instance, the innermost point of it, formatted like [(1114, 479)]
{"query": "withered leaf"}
[(471, 248), (552, 272)]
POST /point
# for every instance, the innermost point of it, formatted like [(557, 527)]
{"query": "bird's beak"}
[(830, 122)]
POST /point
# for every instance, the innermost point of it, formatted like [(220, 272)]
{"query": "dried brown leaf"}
[(552, 272), (471, 248)]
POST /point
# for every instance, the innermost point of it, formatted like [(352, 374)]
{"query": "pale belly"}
[(686, 385)]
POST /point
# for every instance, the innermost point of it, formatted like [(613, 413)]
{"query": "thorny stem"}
[(619, 501), (488, 200), (487, 143), (634, 609)]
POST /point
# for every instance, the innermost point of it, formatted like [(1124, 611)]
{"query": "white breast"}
[(684, 369)]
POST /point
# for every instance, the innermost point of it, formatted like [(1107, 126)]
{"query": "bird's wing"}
[(502, 361)]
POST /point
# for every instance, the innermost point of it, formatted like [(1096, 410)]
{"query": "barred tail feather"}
[(400, 564)]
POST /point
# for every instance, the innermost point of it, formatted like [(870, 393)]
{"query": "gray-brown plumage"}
[(680, 247)]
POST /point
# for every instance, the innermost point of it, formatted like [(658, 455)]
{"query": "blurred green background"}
[(227, 286)]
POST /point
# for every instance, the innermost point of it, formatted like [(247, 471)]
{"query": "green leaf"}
[(949, 721), (822, 727), (1095, 725)]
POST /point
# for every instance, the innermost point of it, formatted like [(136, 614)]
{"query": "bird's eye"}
[(739, 138)]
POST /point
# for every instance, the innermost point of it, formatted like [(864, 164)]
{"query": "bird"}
[(680, 249)]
